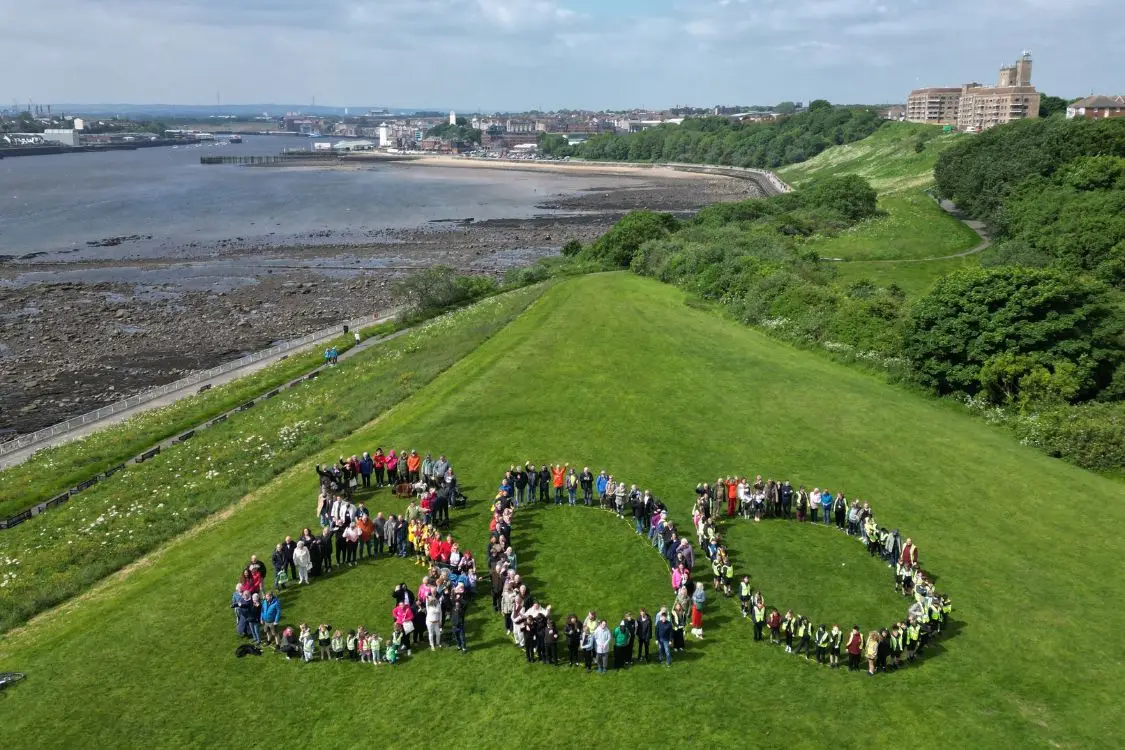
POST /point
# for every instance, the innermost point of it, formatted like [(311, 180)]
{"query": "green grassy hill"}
[(912, 226), (888, 158), (616, 372)]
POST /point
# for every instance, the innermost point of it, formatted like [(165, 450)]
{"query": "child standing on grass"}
[(375, 643), (822, 638), (835, 640), (573, 632), (774, 623), (352, 643), (324, 641), (337, 645), (308, 643), (872, 651)]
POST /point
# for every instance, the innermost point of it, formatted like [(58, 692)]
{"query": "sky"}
[(508, 55)]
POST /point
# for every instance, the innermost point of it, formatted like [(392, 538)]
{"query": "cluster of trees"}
[(462, 132), (1046, 344), (980, 173), (434, 290), (717, 140)]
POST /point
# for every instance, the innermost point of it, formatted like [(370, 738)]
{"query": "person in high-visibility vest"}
[(822, 640), (744, 596), (934, 611), (913, 635), (758, 612), (835, 640), (804, 635), (787, 630), (896, 645)]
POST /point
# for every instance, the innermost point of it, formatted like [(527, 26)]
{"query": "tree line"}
[(719, 140)]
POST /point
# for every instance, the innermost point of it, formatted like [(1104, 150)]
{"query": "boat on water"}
[(234, 139)]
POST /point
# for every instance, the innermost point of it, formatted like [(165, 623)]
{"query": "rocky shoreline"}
[(86, 334)]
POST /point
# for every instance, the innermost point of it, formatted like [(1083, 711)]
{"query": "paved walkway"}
[(17, 457)]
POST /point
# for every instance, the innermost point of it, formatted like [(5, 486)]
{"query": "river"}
[(57, 205)]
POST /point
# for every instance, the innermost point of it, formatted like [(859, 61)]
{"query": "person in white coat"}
[(433, 621), (303, 562)]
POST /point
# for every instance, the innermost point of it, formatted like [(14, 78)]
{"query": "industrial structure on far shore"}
[(973, 107)]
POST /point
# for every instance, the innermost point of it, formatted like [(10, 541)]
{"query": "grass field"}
[(911, 226), (888, 158), (615, 371), (60, 553)]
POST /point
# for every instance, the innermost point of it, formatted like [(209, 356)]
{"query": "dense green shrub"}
[(617, 246), (1076, 218), (1090, 435), (439, 288), (975, 315), (979, 173)]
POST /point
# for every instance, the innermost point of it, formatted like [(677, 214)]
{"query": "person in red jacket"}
[(732, 496), (445, 548), (379, 461), (910, 553), (855, 647), (558, 478), (773, 621)]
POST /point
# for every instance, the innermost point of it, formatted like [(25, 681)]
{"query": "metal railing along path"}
[(154, 450), (62, 428)]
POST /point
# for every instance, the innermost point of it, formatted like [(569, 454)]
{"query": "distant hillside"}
[(898, 156)]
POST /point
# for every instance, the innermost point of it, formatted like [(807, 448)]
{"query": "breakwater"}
[(47, 150), (289, 157)]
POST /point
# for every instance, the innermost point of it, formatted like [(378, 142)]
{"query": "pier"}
[(287, 157)]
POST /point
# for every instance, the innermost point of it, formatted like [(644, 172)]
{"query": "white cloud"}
[(500, 54)]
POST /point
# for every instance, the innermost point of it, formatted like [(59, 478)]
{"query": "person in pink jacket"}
[(392, 468)]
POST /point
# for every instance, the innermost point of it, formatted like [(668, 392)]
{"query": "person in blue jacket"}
[(271, 619), (600, 484), (366, 466), (826, 506)]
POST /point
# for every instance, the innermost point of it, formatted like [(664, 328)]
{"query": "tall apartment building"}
[(974, 106)]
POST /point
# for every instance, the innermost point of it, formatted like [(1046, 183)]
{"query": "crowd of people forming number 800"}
[(451, 573)]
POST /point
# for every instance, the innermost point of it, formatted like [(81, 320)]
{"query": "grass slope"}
[(617, 372), (911, 225), (887, 158)]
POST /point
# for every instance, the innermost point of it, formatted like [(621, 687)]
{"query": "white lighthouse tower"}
[(452, 117)]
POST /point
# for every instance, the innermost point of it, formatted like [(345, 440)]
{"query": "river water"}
[(57, 205)]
